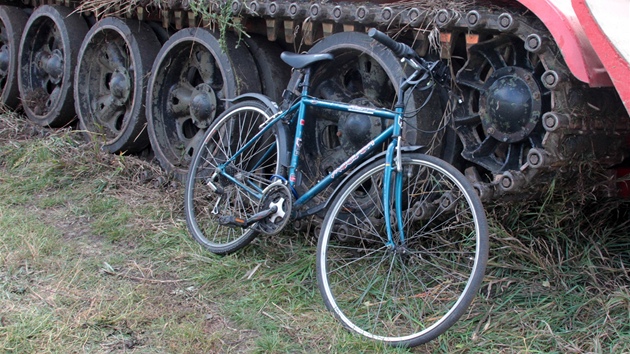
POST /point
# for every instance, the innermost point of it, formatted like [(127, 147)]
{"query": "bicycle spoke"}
[(228, 175), (402, 293)]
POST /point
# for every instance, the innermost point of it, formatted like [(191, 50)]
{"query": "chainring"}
[(276, 194)]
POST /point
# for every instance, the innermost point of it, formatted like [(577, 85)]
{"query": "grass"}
[(95, 257)]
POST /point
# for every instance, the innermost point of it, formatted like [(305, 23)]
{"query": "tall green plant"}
[(219, 16)]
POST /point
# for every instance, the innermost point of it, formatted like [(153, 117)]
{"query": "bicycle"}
[(404, 241)]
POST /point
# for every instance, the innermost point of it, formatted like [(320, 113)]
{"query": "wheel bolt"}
[(533, 43), (361, 12), (506, 22), (550, 79), (274, 9), (414, 14), (337, 12), (255, 7), (553, 121), (314, 10), (386, 14), (473, 18), (550, 122), (296, 11), (534, 159), (236, 7), (443, 18), (340, 13)]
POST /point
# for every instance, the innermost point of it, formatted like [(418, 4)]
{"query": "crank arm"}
[(230, 220)]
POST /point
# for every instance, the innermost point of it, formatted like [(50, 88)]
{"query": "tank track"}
[(569, 134), (567, 128)]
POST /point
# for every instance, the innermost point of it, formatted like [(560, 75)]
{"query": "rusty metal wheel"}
[(48, 51), (114, 62), (191, 77), (12, 22), (365, 73)]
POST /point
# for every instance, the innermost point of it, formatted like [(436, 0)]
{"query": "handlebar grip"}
[(400, 49)]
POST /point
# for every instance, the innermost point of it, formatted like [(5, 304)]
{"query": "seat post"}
[(306, 80)]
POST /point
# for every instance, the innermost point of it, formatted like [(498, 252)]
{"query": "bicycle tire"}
[(411, 293), (255, 167)]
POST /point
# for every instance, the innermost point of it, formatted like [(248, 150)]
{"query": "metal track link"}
[(577, 130), (571, 127)]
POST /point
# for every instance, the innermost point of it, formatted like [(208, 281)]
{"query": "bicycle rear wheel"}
[(254, 168), (411, 291)]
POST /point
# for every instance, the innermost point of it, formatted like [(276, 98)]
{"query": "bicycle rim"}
[(411, 293), (254, 169)]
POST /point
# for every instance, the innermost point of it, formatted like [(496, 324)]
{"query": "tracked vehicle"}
[(532, 91)]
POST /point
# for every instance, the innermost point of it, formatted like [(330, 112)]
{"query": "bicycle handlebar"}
[(400, 49)]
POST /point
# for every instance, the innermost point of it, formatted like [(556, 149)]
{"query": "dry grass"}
[(95, 257)]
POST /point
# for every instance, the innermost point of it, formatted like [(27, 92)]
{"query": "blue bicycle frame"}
[(393, 150)]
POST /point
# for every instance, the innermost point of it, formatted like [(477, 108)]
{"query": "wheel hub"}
[(4, 60), (355, 130), (510, 104), (53, 65), (203, 105), (400, 250), (120, 85)]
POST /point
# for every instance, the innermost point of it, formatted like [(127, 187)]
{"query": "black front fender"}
[(255, 96)]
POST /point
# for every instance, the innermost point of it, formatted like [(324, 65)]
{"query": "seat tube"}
[(299, 127)]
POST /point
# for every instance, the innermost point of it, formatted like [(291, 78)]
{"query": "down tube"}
[(355, 159), (250, 142)]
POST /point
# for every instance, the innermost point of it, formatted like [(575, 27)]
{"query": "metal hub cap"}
[(53, 65), (510, 105), (120, 86), (203, 105), (355, 129)]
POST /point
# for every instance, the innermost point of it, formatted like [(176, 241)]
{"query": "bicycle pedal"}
[(229, 220)]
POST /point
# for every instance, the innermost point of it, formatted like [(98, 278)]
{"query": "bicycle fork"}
[(393, 161), (393, 167)]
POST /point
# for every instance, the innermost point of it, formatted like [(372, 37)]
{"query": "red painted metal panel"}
[(617, 66), (562, 22)]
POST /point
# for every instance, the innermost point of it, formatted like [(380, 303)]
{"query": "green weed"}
[(95, 257)]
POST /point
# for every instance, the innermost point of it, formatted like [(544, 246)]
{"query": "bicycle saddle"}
[(300, 61)]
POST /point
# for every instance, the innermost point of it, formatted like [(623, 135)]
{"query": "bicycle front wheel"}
[(237, 191), (410, 289)]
